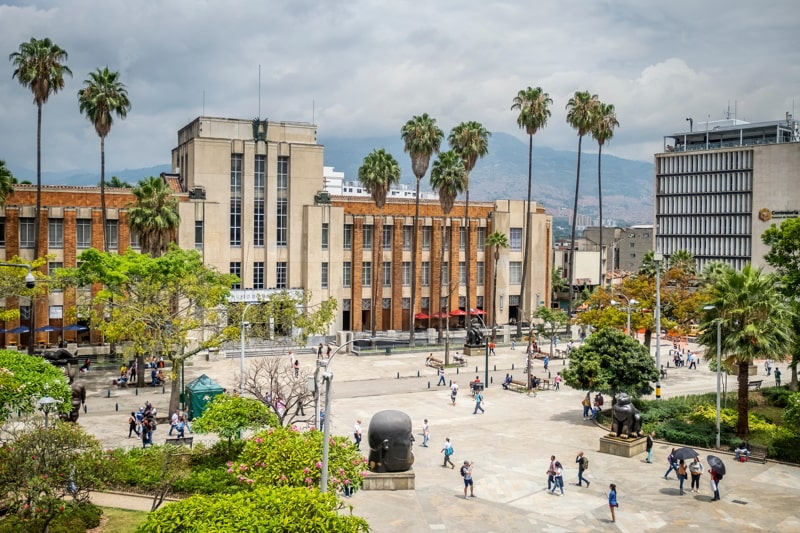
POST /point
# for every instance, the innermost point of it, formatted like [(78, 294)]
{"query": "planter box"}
[(622, 447), (390, 481)]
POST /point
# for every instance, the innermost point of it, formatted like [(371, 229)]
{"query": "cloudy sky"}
[(364, 67)]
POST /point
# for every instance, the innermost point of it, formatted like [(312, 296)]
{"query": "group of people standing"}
[(143, 423), (694, 469)]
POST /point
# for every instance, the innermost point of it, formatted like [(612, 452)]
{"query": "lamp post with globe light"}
[(630, 303), (47, 405)]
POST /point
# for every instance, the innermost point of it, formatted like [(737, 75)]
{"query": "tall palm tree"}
[(603, 125), (683, 260), (470, 140), (497, 240), (7, 182), (154, 216), (755, 323), (580, 114), (533, 106), (449, 179), (421, 139), (378, 173), (102, 97), (40, 67)]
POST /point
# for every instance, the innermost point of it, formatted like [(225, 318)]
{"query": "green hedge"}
[(74, 518)]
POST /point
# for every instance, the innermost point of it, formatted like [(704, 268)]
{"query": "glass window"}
[(112, 234), (481, 239), (280, 275), (258, 275), (368, 237), (515, 239), (198, 234), (446, 273), (462, 235), (325, 236), (387, 274), (236, 200), (366, 274), (26, 233), (515, 272), (282, 222), (259, 196), (235, 268), (347, 274), (135, 240), (406, 273), (462, 273), (283, 173), (2, 231), (407, 237), (84, 231), (425, 274), (347, 237), (426, 238), (480, 273), (55, 233), (387, 237), (324, 276), (52, 266)]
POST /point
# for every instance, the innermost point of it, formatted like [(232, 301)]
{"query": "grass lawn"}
[(773, 414), (121, 520)]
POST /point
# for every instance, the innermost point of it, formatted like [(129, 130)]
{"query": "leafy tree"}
[(7, 182), (713, 271), (119, 183), (12, 283), (784, 241), (791, 414), (602, 130), (552, 321), (755, 323), (157, 304), (470, 140), (39, 66), (285, 509), (228, 416), (682, 260), (102, 97), (496, 240), (378, 173), (610, 362), (421, 139), (48, 471), (534, 111), (580, 116), (25, 379), (273, 382), (154, 216)]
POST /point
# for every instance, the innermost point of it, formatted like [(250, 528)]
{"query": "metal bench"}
[(758, 453), (516, 385), (434, 363), (755, 384)]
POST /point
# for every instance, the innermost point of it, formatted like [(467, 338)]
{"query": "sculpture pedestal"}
[(474, 350), (623, 447), (390, 481)]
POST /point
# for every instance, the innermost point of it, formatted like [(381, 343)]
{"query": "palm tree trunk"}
[(414, 268), (468, 318), (571, 277), (526, 232), (103, 189), (742, 427), (600, 203), (36, 218), (494, 296)]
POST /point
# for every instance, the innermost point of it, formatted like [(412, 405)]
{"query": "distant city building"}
[(721, 184), (336, 185)]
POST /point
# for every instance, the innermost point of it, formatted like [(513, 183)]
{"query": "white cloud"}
[(366, 66)]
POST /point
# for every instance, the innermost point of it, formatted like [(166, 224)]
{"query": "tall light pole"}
[(657, 258), (327, 377), (719, 358), (241, 347), (630, 303), (30, 282)]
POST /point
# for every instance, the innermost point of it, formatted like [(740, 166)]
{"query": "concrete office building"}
[(257, 208), (719, 188)]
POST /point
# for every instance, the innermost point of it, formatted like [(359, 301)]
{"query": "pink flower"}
[(309, 480), (242, 468), (306, 470), (230, 470), (318, 465)]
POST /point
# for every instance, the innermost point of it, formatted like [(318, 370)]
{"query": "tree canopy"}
[(611, 362), (25, 379), (228, 416)]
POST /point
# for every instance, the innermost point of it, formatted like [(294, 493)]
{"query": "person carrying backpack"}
[(478, 402), (447, 450), (583, 464), (673, 464), (466, 473)]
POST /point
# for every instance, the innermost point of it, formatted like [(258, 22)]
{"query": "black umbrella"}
[(716, 464), (685, 454)]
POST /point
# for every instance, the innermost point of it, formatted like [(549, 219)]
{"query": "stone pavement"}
[(511, 445)]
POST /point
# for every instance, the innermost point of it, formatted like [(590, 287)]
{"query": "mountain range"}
[(503, 173)]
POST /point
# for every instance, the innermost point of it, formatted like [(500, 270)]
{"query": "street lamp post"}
[(47, 404), (657, 258), (327, 377), (241, 347), (630, 302), (719, 358)]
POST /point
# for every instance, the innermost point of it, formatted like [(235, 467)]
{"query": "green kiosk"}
[(199, 393)]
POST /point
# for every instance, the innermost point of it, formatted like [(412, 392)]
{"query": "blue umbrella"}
[(48, 328), (19, 329), (75, 327)]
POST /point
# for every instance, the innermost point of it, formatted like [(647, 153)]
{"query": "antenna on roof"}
[(259, 91), (728, 112), (204, 102)]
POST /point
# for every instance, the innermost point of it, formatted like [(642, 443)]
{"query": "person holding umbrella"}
[(717, 470)]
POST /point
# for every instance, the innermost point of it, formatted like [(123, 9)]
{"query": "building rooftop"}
[(731, 133)]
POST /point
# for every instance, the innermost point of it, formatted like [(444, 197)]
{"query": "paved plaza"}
[(511, 445)]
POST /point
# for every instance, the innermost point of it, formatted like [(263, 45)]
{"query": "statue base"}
[(623, 447), (474, 350), (390, 481)]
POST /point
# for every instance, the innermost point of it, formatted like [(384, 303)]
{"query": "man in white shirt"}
[(357, 434), (173, 423), (453, 392), (425, 434)]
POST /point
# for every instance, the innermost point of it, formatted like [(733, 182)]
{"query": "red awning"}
[(440, 315), (457, 312), (477, 312), (421, 316)]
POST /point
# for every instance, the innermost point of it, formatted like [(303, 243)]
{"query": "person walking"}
[(357, 434), (696, 470), (583, 464), (612, 501), (682, 475), (132, 425), (453, 392), (768, 367), (173, 423), (478, 402), (441, 377), (715, 479), (447, 450), (319, 351), (777, 377), (551, 472), (558, 478), (296, 366), (587, 406), (673, 465), (557, 381), (649, 447), (425, 433), (466, 473)]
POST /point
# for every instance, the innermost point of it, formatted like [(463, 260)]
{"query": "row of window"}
[(706, 162), (707, 246), (259, 200), (706, 225), (55, 233), (281, 273), (515, 240), (424, 303), (707, 183), (722, 204)]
